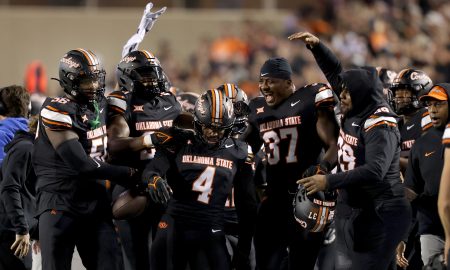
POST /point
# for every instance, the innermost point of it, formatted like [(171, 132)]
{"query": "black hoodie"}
[(17, 188), (369, 140)]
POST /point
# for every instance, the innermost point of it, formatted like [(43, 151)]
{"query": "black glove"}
[(159, 189), (322, 168), (171, 136)]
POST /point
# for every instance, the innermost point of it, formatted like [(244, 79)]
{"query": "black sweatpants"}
[(177, 245), (276, 232), (94, 237), (367, 238), (8, 260)]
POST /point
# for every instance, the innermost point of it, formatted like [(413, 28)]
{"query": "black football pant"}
[(135, 233), (94, 237), (178, 245), (278, 235), (8, 261), (367, 239)]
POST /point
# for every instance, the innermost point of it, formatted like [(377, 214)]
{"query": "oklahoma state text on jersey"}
[(143, 116), (202, 178), (289, 133)]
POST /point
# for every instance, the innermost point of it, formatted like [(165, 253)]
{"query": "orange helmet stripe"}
[(147, 54), (90, 56)]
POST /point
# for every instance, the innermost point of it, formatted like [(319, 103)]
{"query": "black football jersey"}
[(289, 134), (56, 177), (143, 117), (202, 179), (409, 132)]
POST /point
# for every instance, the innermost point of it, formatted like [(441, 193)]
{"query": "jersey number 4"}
[(272, 141), (203, 184)]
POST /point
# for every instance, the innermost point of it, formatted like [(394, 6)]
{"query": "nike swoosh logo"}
[(264, 74), (214, 231), (228, 146), (410, 127), (429, 153), (166, 108), (355, 125), (101, 110), (294, 103)]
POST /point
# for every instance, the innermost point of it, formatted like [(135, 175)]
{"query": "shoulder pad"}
[(117, 102), (377, 120), (324, 96), (56, 113), (425, 122), (446, 136)]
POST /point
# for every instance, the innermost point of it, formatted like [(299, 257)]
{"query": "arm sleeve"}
[(246, 205), (252, 138), (73, 154), (329, 64), (413, 177), (381, 145), (159, 165), (14, 172)]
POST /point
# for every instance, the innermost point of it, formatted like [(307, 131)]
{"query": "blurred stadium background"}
[(203, 43)]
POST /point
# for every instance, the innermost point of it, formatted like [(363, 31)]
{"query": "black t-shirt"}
[(423, 176)]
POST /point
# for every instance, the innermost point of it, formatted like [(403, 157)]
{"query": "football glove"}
[(159, 189), (170, 136)]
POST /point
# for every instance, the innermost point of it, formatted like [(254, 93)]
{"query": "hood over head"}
[(366, 91)]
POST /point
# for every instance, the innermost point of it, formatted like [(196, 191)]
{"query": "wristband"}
[(147, 141)]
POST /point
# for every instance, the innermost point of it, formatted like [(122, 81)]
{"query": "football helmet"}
[(415, 81), (387, 77), (213, 117), (240, 104), (187, 101), (141, 72), (81, 67), (316, 211)]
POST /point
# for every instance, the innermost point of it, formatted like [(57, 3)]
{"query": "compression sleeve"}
[(73, 154)]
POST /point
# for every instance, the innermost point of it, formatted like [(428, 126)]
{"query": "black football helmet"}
[(316, 211), (240, 104), (141, 72), (415, 81), (78, 66), (214, 110), (187, 101), (387, 77)]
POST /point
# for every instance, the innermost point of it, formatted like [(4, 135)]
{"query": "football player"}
[(68, 158), (407, 87), (424, 173), (140, 107), (372, 212), (187, 100), (241, 110), (294, 127), (201, 173)]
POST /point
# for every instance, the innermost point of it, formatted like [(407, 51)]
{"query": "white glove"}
[(147, 21)]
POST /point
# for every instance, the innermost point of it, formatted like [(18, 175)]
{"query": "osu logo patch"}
[(163, 225)]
